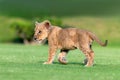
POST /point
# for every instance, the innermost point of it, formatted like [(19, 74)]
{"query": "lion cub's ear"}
[(36, 23), (47, 24)]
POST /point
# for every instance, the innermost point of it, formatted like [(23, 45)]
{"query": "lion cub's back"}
[(67, 33)]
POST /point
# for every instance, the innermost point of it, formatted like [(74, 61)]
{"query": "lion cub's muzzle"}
[(36, 39)]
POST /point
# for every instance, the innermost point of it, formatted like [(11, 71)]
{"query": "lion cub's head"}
[(41, 30)]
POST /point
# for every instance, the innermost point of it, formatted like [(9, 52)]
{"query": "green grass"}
[(24, 62)]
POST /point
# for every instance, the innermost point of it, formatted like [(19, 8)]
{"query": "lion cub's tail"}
[(94, 37)]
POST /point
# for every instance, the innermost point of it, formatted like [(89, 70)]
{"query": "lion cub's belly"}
[(67, 44)]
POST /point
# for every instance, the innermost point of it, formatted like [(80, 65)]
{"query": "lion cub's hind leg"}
[(62, 56), (89, 55)]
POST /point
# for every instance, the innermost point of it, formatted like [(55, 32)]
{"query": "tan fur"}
[(65, 40)]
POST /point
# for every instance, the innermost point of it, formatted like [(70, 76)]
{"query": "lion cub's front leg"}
[(52, 52)]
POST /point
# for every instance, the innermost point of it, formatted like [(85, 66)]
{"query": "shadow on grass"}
[(82, 64), (76, 64), (70, 63)]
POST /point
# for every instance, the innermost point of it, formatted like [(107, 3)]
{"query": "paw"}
[(85, 61), (62, 60), (47, 63), (88, 65)]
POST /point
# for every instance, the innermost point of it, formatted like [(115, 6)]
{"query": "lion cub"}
[(65, 40)]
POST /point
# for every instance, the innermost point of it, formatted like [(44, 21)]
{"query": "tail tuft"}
[(106, 42)]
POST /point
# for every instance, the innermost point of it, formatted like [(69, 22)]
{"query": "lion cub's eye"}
[(39, 32)]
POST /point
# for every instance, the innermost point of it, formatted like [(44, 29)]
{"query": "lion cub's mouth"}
[(38, 40), (41, 41)]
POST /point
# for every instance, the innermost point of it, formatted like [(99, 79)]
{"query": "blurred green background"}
[(17, 17)]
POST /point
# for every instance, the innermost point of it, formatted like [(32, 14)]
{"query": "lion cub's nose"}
[(35, 38)]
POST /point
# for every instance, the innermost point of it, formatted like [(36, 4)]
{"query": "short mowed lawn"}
[(25, 62)]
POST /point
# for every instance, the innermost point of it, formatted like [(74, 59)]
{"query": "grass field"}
[(24, 62)]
